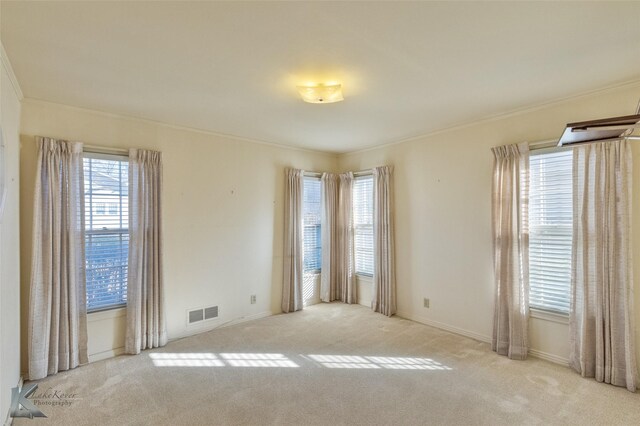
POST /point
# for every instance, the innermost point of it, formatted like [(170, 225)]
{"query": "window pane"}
[(312, 240), (363, 224), (550, 230), (106, 230)]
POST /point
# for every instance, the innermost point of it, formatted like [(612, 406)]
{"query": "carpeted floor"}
[(329, 364)]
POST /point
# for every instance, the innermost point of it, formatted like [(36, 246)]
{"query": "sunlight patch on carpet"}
[(374, 362)]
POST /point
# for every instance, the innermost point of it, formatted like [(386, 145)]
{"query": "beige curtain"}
[(293, 274), (338, 262), (602, 319), (146, 324), (345, 248), (384, 274), (57, 330), (509, 206), (329, 290)]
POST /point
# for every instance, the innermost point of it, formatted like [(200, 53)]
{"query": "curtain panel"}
[(510, 195), (602, 313), (57, 325), (338, 263), (384, 273), (293, 229), (329, 290), (146, 323), (346, 249)]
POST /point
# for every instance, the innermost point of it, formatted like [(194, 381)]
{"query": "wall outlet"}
[(426, 302), (253, 299)]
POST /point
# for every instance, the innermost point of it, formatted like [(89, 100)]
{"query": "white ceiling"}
[(407, 68)]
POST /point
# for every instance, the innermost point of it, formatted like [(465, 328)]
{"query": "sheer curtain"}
[(509, 206), (330, 199), (345, 247), (384, 274), (146, 325), (293, 274), (57, 331), (602, 319), (337, 280)]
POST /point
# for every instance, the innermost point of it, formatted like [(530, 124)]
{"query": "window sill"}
[(364, 278), (107, 314), (550, 316)]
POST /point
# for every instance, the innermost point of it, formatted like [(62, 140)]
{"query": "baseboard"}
[(8, 421), (486, 339), (446, 327), (218, 324), (549, 357), (248, 318), (111, 353), (364, 302)]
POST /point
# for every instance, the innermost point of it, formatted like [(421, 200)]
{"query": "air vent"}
[(211, 312), (202, 314), (195, 316)]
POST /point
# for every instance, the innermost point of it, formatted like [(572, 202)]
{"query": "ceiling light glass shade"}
[(321, 93)]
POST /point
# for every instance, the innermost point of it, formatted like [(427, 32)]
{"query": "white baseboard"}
[(446, 327), (8, 421), (549, 357), (216, 324), (111, 353), (248, 318), (476, 336), (364, 302)]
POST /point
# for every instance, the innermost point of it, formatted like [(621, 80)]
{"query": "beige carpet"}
[(331, 364)]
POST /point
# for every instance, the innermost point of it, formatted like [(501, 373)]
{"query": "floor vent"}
[(202, 314)]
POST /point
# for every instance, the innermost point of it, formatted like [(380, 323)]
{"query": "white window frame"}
[(90, 232), (312, 176), (549, 311), (357, 228)]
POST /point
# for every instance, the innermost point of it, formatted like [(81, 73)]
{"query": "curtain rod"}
[(553, 143), (359, 173), (105, 150)]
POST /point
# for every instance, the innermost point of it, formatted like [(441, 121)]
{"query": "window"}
[(312, 239), (550, 230), (106, 183), (363, 224)]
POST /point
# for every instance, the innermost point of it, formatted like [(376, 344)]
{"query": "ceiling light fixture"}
[(321, 93)]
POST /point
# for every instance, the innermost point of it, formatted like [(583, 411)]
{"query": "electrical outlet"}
[(253, 299), (426, 302)]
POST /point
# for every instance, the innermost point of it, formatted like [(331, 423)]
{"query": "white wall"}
[(443, 214), (223, 214), (9, 238)]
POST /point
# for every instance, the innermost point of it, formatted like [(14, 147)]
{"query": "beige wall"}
[(443, 222), (9, 239), (223, 214)]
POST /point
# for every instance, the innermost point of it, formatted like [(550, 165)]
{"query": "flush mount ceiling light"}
[(321, 93)]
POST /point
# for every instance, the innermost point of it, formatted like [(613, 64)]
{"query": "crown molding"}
[(501, 116), (178, 127), (12, 77)]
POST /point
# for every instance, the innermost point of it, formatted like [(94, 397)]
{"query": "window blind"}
[(363, 224), (550, 230), (312, 239), (106, 198)]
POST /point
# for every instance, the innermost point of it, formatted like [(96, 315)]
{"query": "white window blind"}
[(106, 198), (312, 239), (550, 230), (363, 224)]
